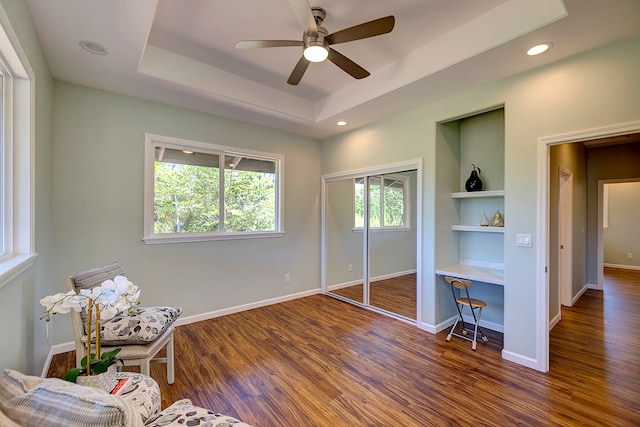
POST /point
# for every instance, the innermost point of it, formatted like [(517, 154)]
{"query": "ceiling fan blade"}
[(251, 44), (347, 65), (298, 71), (303, 12), (363, 31)]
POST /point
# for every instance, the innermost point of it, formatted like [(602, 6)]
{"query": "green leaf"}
[(72, 374)]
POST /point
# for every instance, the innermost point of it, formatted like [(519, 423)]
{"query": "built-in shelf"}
[(494, 276), (477, 228), (477, 194)]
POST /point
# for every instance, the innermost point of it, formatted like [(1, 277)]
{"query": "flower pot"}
[(105, 381)]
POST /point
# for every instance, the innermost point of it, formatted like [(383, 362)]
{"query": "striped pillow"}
[(91, 278), (37, 402)]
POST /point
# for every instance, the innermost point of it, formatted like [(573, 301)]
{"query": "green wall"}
[(591, 90), (619, 162), (26, 346), (573, 158), (623, 235), (98, 206)]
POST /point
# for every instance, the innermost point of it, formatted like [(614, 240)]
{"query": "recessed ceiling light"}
[(539, 48), (341, 123), (94, 47), (187, 151)]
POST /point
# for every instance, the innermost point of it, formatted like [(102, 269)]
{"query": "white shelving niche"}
[(464, 248)]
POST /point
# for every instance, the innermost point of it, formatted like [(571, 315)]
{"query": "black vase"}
[(474, 183)]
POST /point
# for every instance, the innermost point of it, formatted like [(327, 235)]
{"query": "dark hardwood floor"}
[(317, 361), (396, 295)]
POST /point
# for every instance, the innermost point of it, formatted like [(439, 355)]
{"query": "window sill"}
[(12, 266), (182, 238)]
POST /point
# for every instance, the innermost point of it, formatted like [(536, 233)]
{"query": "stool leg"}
[(477, 328), (170, 365), (456, 323)]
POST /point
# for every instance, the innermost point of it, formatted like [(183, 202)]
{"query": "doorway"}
[(370, 239), (613, 165)]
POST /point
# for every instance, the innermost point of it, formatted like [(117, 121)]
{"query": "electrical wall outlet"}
[(287, 279), (629, 255), (350, 267)]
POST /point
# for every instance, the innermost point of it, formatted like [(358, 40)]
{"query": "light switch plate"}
[(524, 240)]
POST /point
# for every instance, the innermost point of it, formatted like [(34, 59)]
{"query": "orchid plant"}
[(102, 303)]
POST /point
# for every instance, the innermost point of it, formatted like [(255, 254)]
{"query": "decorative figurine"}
[(474, 183), (484, 221), (498, 220)]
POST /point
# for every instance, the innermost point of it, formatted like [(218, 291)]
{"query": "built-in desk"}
[(484, 279), (471, 272)]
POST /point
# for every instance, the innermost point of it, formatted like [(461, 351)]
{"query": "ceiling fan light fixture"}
[(316, 53), (316, 48)]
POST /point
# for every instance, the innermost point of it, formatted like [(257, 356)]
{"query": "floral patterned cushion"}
[(140, 327), (184, 413)]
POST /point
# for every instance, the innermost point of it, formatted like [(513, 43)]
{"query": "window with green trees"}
[(208, 192), (388, 202)]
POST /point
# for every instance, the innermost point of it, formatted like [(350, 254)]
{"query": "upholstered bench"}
[(27, 401)]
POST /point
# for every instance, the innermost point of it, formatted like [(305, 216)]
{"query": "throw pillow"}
[(91, 278), (38, 402), (6, 421), (184, 413), (141, 327)]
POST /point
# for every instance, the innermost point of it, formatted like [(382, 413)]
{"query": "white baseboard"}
[(594, 286), (392, 275), (447, 323), (579, 294), (371, 279), (244, 307), (70, 346), (428, 327), (485, 324), (343, 285), (622, 266), (553, 322), (522, 360)]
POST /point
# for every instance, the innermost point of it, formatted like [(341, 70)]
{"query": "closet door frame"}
[(414, 164)]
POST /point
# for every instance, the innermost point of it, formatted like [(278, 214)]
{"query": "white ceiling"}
[(181, 52)]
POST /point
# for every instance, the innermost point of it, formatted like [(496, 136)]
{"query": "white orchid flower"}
[(111, 297), (73, 301), (108, 312), (51, 303)]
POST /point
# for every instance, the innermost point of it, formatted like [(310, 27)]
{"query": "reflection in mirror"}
[(392, 243), (344, 244)]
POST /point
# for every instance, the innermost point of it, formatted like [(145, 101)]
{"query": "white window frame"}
[(17, 160), (405, 198), (152, 141)]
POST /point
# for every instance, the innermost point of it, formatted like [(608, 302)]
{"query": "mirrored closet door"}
[(370, 241)]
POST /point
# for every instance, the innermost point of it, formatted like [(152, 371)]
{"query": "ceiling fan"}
[(316, 40)]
